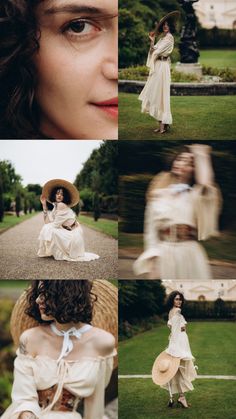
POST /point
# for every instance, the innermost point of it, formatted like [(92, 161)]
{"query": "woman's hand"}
[(43, 200), (27, 415), (152, 36), (183, 329)]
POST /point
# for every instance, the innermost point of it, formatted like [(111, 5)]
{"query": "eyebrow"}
[(72, 8)]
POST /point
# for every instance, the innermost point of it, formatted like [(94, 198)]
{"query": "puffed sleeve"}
[(163, 47), (143, 263), (24, 393), (94, 404), (61, 217), (207, 207)]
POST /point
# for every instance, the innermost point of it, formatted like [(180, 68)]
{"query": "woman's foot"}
[(183, 402), (171, 403)]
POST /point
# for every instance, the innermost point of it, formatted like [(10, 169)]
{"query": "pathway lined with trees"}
[(19, 260)]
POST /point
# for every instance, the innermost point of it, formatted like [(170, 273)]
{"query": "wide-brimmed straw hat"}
[(105, 313), (164, 368), (61, 183), (171, 15)]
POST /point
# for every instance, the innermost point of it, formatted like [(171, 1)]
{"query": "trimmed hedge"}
[(132, 201), (211, 310), (216, 38)]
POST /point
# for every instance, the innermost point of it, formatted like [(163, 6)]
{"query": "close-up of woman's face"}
[(77, 68), (59, 195), (178, 301), (183, 166), (166, 27), (40, 301)]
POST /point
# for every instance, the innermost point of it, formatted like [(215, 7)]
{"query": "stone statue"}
[(188, 46)]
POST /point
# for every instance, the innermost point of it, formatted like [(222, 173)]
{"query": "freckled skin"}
[(76, 71)]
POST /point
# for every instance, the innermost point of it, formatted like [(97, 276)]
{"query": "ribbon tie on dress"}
[(67, 345)]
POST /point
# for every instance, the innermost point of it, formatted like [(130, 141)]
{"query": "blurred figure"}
[(182, 208)]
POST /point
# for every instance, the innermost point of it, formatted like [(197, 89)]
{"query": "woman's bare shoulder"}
[(104, 342), (174, 311), (30, 339)]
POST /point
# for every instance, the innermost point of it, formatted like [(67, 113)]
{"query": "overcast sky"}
[(39, 161)]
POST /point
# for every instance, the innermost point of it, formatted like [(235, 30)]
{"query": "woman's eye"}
[(81, 28)]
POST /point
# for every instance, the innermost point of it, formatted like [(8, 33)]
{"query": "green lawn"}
[(218, 58), (195, 118), (108, 227), (222, 248), (213, 344), (11, 220), (212, 399)]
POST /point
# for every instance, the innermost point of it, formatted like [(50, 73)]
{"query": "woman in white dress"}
[(64, 359), (183, 208), (62, 235), (178, 353), (155, 96)]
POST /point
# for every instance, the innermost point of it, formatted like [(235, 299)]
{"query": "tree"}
[(96, 206), (18, 202), (1, 200)]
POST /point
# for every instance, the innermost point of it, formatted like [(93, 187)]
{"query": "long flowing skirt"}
[(182, 381), (63, 244), (186, 260), (155, 95)]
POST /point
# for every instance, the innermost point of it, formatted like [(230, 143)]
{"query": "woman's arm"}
[(203, 166), (45, 209)]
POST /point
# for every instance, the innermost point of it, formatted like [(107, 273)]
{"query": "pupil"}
[(77, 26)]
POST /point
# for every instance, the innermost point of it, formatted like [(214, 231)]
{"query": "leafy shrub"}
[(86, 196), (226, 74), (5, 390)]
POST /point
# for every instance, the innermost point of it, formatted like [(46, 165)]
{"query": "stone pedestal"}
[(193, 68)]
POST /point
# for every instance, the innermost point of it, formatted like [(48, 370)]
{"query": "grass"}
[(103, 225), (195, 118), (218, 58), (212, 399), (12, 220), (222, 248), (212, 343), (6, 284)]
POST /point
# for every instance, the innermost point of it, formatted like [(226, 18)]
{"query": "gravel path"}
[(19, 260)]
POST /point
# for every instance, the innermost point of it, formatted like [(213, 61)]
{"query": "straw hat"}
[(61, 183), (164, 368), (170, 15), (105, 313)]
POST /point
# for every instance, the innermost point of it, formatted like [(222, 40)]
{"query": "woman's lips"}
[(109, 106)]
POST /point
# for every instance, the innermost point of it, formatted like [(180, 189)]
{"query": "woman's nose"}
[(39, 299), (110, 60)]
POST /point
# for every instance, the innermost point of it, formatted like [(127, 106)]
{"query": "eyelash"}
[(67, 29)]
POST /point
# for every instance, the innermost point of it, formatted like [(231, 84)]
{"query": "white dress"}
[(185, 259), (86, 378), (63, 244), (155, 95), (179, 347)]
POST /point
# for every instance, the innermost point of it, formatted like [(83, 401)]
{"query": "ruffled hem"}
[(58, 255), (155, 112)]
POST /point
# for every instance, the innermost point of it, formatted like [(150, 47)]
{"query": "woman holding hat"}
[(62, 236), (174, 369), (155, 96), (183, 207), (61, 358)]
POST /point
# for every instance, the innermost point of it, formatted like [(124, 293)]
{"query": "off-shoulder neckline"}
[(82, 359)]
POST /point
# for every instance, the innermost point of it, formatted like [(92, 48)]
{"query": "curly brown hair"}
[(19, 113), (171, 297), (65, 300)]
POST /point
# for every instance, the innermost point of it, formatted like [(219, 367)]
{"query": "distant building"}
[(203, 290), (220, 13)]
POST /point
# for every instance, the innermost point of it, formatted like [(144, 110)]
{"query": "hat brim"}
[(162, 378), (171, 15), (105, 312), (61, 183)]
